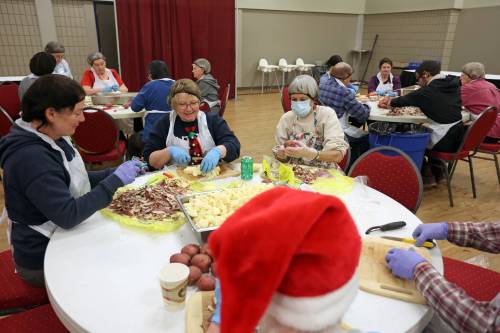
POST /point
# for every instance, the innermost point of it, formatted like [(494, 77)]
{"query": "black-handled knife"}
[(387, 227)]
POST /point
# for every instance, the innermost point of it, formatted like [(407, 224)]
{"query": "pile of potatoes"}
[(200, 263)]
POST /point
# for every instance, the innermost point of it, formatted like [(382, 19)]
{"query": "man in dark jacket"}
[(439, 100)]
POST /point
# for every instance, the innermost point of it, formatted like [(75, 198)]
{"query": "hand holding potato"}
[(299, 150), (384, 102)]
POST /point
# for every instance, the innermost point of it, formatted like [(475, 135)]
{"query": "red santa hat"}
[(293, 254)]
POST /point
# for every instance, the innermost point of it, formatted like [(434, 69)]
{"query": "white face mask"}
[(301, 108)]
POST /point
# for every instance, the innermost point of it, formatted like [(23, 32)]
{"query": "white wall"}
[(321, 6)]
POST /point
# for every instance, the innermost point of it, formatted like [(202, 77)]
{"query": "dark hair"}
[(431, 66), (158, 69), (54, 47), (333, 60), (52, 90), (384, 61), (42, 63)]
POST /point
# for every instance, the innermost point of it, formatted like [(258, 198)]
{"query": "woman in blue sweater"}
[(187, 135), (45, 182)]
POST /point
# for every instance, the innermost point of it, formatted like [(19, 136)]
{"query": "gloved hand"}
[(210, 160), (402, 262), (115, 87), (107, 89), (128, 171), (430, 231), (218, 303), (381, 92), (298, 149), (179, 155), (391, 94)]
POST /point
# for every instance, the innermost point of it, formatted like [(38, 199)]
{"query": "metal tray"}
[(203, 233), (114, 99)]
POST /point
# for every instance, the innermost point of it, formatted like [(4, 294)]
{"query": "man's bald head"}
[(341, 71)]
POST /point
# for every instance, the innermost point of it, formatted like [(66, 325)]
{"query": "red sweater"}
[(88, 78), (477, 95)]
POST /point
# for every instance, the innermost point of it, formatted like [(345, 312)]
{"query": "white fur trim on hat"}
[(314, 313)]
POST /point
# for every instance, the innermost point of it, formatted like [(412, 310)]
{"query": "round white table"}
[(102, 277), (379, 114)]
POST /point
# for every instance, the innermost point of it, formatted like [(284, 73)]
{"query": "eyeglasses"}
[(192, 105)]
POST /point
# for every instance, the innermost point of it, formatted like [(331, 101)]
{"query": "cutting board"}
[(375, 276), (226, 171), (197, 311)]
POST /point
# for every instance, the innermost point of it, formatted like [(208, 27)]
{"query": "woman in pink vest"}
[(478, 94)]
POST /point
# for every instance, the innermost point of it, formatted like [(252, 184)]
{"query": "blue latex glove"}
[(402, 262), (107, 90), (430, 231), (391, 94), (210, 160), (381, 92), (179, 155), (128, 171), (218, 299), (115, 87)]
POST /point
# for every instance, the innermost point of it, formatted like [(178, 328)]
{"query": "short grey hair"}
[(342, 70), (304, 84), (95, 56), (203, 64), (474, 70), (54, 47)]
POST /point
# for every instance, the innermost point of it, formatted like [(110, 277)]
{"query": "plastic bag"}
[(386, 128)]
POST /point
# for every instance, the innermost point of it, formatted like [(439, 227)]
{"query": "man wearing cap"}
[(207, 83), (284, 268)]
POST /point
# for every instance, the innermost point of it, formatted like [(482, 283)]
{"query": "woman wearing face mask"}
[(310, 134), (384, 81)]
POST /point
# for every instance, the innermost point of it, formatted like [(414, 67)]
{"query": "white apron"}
[(384, 87), (352, 131), (438, 131), (204, 136), (79, 180), (98, 83), (157, 111)]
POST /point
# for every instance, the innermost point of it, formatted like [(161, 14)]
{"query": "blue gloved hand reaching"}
[(402, 263), (115, 87), (218, 303), (179, 155), (107, 89), (128, 171), (210, 160), (430, 231)]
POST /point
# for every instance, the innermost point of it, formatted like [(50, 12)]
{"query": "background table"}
[(379, 114), (117, 112), (102, 277), (16, 79)]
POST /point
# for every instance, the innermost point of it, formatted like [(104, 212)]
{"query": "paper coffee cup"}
[(173, 281)]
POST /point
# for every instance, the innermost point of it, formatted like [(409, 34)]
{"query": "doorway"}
[(106, 32)]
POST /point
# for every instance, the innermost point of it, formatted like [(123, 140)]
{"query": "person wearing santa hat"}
[(284, 267)]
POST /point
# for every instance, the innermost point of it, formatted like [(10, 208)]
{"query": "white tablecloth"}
[(102, 277)]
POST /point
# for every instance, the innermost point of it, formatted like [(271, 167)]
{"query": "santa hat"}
[(289, 252)]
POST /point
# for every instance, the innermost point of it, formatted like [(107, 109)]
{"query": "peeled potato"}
[(181, 258), (191, 250), (202, 261), (194, 275), (206, 282)]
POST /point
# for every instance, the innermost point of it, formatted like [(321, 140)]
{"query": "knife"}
[(427, 244)]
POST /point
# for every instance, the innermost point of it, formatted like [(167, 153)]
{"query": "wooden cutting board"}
[(198, 312), (226, 171), (376, 278)]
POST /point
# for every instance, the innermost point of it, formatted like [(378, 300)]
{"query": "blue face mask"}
[(301, 108)]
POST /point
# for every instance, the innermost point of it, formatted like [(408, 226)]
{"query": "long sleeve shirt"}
[(342, 100), (454, 306)]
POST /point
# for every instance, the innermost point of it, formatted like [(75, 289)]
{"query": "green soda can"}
[(246, 168)]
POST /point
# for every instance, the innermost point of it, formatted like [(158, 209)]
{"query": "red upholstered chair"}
[(15, 294), (472, 139), (492, 149), (393, 173), (344, 164), (480, 283), (204, 107), (9, 99), (40, 320), (97, 138), (6, 122), (223, 97), (286, 103)]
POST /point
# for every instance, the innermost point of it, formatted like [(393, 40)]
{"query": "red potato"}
[(181, 258), (202, 261), (291, 143), (205, 249), (194, 275), (206, 282), (191, 250)]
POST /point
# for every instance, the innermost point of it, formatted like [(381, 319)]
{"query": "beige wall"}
[(476, 39), (322, 6), (403, 37), (280, 34), (19, 36)]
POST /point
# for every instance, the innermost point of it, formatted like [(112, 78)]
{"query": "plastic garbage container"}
[(410, 138)]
